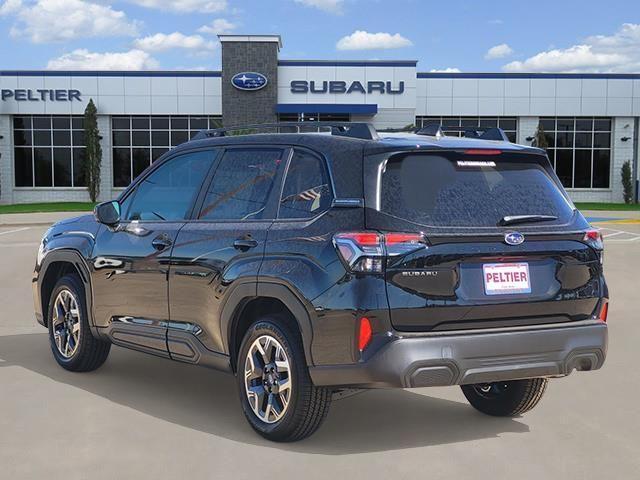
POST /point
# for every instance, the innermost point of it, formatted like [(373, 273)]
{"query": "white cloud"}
[(83, 59), (10, 6), (499, 51), (220, 26), (495, 21), (331, 6), (185, 6), (62, 20), (619, 52), (445, 70), (361, 40), (161, 42)]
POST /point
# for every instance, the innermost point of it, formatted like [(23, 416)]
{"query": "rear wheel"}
[(73, 345), (506, 399), (278, 397)]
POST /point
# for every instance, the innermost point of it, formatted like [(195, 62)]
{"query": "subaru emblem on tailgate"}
[(513, 238)]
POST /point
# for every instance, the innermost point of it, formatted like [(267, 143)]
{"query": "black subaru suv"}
[(310, 265)]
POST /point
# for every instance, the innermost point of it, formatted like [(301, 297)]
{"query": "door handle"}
[(245, 243), (161, 242)]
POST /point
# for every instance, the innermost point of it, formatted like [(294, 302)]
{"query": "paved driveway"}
[(145, 417)]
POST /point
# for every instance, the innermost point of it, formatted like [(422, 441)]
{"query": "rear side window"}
[(307, 191), (242, 185), (469, 191), (168, 193)]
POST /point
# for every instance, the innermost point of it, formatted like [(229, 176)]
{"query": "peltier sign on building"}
[(40, 95)]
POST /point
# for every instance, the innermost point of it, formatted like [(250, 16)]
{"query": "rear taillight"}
[(365, 252), (593, 237)]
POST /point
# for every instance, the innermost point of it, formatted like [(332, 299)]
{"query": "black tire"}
[(90, 353), (506, 399), (308, 405)]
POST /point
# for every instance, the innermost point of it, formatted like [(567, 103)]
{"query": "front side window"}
[(49, 151), (307, 191), (168, 193), (242, 184)]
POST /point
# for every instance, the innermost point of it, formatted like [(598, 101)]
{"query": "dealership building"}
[(590, 120)]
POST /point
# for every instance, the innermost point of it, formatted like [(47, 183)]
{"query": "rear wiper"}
[(516, 219)]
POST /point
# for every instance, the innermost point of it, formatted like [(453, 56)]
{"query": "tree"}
[(93, 151), (540, 139), (627, 183)]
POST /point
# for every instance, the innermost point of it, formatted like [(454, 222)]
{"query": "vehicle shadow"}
[(207, 401)]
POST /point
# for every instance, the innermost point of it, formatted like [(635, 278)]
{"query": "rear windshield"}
[(453, 190)]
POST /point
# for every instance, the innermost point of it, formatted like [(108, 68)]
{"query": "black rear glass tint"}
[(469, 191)]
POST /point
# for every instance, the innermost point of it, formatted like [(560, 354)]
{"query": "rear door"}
[(223, 245), (503, 242)]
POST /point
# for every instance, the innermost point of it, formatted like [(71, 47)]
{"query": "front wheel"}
[(73, 345), (278, 397), (506, 399)]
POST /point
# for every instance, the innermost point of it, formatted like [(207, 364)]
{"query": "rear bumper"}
[(474, 357)]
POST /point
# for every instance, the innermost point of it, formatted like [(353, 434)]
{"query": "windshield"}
[(454, 190)]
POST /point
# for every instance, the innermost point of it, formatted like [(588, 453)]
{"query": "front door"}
[(131, 262)]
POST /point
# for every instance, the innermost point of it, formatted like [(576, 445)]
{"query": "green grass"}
[(608, 206), (47, 207)]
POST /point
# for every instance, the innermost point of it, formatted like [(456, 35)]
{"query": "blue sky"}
[(553, 36)]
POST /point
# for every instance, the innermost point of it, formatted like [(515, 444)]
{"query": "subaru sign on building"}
[(249, 81), (591, 120)]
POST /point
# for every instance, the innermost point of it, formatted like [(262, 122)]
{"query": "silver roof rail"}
[(360, 130), (481, 133)]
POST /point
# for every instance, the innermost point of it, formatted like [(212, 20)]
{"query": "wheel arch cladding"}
[(271, 299), (56, 265)]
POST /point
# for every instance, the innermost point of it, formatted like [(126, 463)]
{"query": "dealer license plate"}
[(506, 278)]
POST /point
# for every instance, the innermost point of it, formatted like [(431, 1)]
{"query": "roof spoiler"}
[(360, 130), (481, 133)]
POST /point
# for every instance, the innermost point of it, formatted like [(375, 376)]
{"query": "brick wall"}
[(245, 107)]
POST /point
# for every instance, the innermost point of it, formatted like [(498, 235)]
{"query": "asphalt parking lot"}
[(144, 417)]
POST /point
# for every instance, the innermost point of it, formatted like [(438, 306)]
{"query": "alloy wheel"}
[(66, 323), (491, 390), (267, 377)]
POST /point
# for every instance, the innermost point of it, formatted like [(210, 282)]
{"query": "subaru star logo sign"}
[(513, 238), (249, 81)]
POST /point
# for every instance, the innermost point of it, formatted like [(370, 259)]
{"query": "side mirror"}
[(108, 213)]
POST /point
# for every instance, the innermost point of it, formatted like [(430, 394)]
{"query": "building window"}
[(48, 151), (580, 150), (508, 124), (140, 140)]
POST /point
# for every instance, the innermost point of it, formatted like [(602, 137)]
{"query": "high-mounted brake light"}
[(365, 251), (482, 151), (593, 237), (364, 333)]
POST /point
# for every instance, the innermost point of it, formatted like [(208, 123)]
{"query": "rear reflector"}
[(604, 311), (364, 333)]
